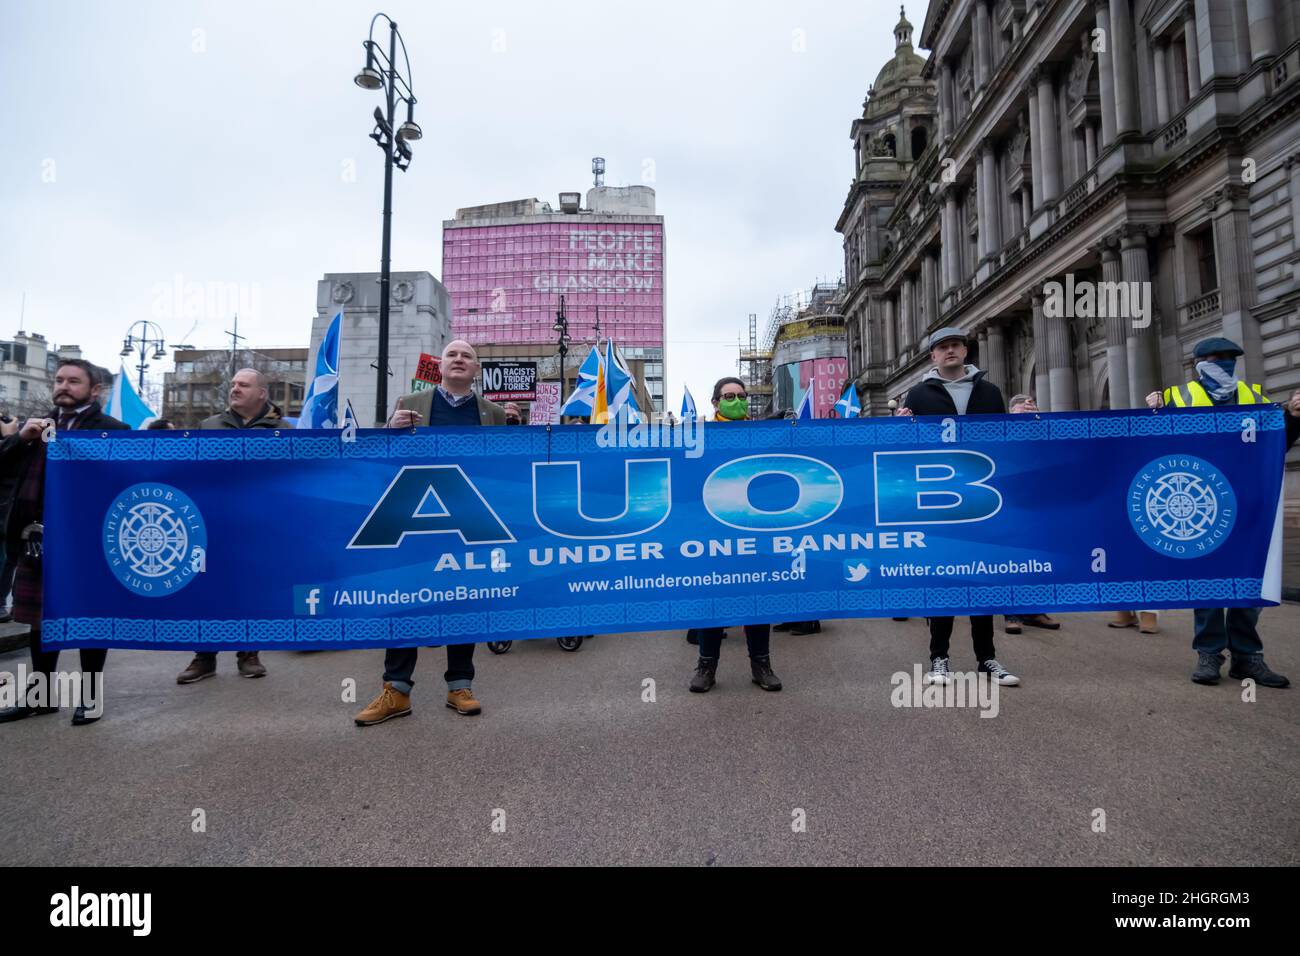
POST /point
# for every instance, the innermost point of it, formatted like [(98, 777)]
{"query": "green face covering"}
[(733, 408)]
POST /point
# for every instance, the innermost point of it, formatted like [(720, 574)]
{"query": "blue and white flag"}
[(848, 406), (320, 409), (805, 412), (688, 405), (620, 386), (125, 404), (582, 402)]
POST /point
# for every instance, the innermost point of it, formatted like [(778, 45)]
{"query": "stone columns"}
[(1230, 209), (1142, 340), (1089, 145), (1193, 51), (1035, 147), (905, 314), (951, 252), (891, 329), (1060, 363), (982, 36), (1026, 207), (1263, 29), (1042, 378), (1162, 82), (1116, 330), (947, 117), (1051, 133), (995, 358), (1106, 75), (929, 294), (1121, 57), (990, 219)]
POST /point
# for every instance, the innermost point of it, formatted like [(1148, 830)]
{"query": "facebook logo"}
[(306, 599)]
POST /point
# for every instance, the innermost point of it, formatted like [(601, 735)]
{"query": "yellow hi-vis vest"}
[(1195, 395)]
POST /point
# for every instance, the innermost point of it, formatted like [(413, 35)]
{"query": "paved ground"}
[(586, 772)]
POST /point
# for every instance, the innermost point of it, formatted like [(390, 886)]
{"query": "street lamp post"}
[(150, 335), (562, 326), (396, 153)]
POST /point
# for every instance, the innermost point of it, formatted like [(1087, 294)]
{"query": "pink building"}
[(506, 265)]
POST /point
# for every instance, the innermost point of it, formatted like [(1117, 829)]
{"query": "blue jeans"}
[(1239, 634), (399, 667)]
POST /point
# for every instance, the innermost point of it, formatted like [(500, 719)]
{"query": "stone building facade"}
[(1147, 150)]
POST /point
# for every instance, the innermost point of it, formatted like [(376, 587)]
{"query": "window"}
[(1207, 268)]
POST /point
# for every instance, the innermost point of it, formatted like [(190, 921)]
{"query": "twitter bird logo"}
[(856, 571)]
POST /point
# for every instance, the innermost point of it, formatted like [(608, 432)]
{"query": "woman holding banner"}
[(731, 404)]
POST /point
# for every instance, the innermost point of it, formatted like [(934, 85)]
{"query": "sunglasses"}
[(731, 395)]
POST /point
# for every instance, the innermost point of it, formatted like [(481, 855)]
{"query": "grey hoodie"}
[(959, 390)]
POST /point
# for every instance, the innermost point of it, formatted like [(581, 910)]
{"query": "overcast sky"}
[(142, 143)]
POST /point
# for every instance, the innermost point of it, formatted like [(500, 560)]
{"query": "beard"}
[(69, 400)]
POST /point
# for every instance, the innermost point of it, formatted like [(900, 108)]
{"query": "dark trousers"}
[(7, 576), (399, 666), (1237, 632), (92, 663), (981, 629), (757, 637)]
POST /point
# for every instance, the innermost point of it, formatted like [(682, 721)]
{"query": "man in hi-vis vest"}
[(1233, 628)]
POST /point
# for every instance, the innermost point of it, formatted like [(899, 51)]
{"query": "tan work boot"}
[(249, 665), (1122, 619), (463, 702), (389, 704), (1147, 623)]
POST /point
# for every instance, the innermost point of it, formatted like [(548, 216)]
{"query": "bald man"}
[(451, 403), (250, 407)]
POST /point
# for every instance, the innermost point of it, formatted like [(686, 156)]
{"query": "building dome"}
[(906, 64)]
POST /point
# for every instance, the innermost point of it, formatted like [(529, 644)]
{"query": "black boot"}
[(693, 636), (705, 676), (1252, 666), (806, 627), (1207, 668), (761, 667), (24, 710)]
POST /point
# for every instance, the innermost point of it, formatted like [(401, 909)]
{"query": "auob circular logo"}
[(1182, 506), (154, 539)]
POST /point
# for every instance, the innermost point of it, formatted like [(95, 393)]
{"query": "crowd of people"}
[(950, 387)]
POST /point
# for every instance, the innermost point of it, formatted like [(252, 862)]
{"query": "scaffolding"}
[(754, 366)]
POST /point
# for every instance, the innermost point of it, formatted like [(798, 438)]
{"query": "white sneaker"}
[(999, 673), (939, 672)]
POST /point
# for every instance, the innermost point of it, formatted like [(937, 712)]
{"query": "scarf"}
[(1218, 379)]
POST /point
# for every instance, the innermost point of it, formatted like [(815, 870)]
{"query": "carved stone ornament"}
[(342, 293), (403, 292)]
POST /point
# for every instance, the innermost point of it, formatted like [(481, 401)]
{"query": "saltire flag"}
[(125, 404), (848, 406), (620, 386), (582, 402), (805, 412), (688, 405), (600, 401), (320, 409)]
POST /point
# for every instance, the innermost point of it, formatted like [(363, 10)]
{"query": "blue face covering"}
[(1218, 378)]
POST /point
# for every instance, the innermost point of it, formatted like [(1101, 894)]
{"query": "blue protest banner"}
[(306, 539)]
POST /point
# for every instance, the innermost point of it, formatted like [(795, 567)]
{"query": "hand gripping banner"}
[(326, 539)]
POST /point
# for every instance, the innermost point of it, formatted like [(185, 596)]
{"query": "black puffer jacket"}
[(929, 397)]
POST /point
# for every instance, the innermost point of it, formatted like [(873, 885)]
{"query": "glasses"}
[(730, 395)]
